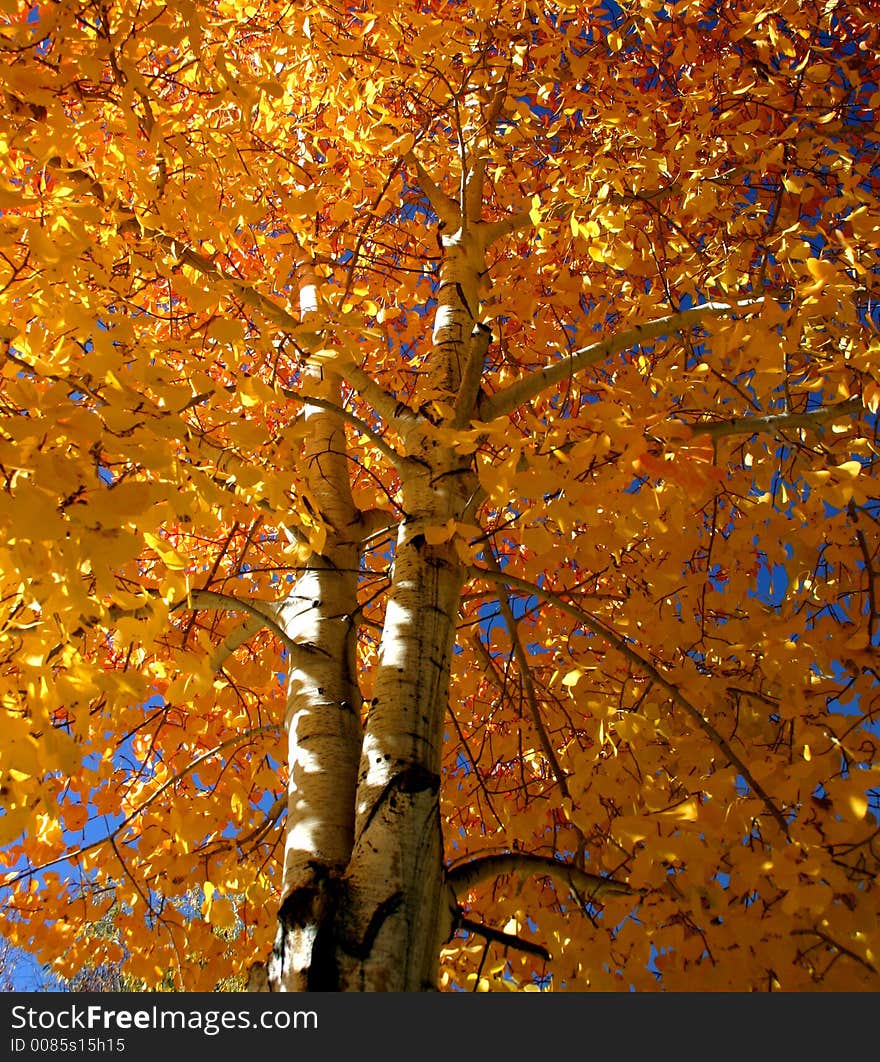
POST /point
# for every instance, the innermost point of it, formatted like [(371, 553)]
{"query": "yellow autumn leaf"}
[(403, 145), (687, 811), (303, 204), (208, 889), (437, 534), (822, 271), (167, 554), (850, 468), (222, 913), (226, 330), (850, 795)]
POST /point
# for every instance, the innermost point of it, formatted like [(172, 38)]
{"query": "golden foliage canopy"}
[(665, 665)]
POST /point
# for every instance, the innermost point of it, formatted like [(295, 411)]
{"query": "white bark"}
[(457, 310), (365, 905), (395, 918), (323, 704), (395, 914), (323, 724)]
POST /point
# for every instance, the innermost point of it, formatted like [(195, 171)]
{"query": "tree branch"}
[(508, 940), (259, 832), (496, 230), (773, 422), (387, 451), (308, 338), (532, 384), (269, 310), (234, 640), (528, 685), (473, 191), (598, 628), (444, 206), (472, 872), (263, 612), (469, 387), (833, 944)]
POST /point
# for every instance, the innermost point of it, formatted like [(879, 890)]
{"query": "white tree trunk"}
[(394, 920), (364, 899), (323, 719)]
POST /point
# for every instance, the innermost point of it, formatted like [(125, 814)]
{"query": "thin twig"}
[(509, 940), (110, 838), (598, 628)]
